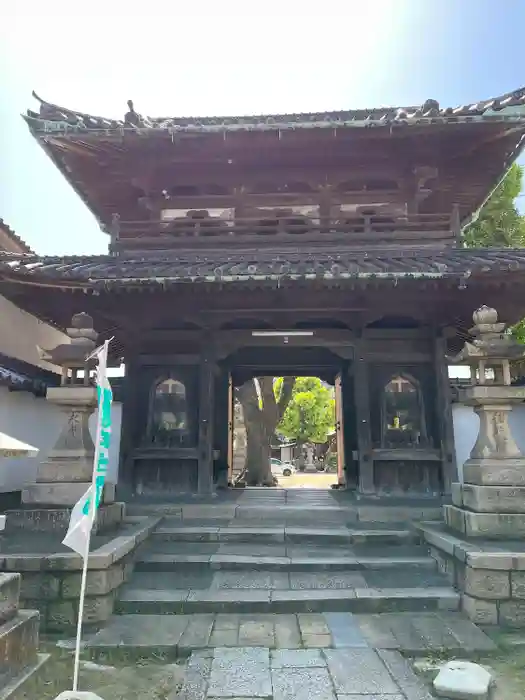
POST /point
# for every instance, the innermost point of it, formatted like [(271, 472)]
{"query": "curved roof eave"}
[(54, 118)]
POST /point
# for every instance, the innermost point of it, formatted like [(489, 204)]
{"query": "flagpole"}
[(92, 505)]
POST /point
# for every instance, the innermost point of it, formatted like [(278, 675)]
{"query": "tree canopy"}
[(499, 223), (310, 414)]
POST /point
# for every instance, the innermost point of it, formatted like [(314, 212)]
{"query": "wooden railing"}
[(415, 229)]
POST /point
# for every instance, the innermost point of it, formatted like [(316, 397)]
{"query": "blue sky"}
[(223, 58)]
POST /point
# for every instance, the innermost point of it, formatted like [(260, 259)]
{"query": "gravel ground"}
[(142, 681)]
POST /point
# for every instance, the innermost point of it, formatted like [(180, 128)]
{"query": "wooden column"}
[(362, 407), (125, 486), (206, 419), (325, 207), (444, 414)]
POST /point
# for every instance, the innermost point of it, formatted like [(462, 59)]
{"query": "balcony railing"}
[(207, 231)]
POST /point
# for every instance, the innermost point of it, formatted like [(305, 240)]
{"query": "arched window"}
[(402, 415), (168, 424)]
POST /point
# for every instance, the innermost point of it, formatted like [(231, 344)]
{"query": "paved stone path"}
[(179, 635), (305, 674)]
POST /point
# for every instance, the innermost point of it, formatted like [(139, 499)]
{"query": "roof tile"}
[(215, 266), (51, 117)]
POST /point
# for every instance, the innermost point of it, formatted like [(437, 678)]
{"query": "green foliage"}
[(310, 415), (499, 223)]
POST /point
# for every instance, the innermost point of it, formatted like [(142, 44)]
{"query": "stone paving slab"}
[(297, 658), (359, 671), (240, 672), (302, 684), (247, 674), (411, 686)]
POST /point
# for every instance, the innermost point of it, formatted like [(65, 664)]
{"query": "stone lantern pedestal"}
[(490, 502), (66, 474), (481, 545)]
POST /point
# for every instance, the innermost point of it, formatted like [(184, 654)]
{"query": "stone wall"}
[(51, 582), (491, 580), (55, 594)]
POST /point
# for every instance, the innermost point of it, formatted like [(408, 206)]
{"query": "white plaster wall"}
[(466, 428), (20, 333), (38, 423)]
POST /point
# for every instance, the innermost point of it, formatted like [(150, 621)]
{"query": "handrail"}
[(289, 226)]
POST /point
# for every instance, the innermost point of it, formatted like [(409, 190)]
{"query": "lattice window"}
[(168, 419), (402, 415)]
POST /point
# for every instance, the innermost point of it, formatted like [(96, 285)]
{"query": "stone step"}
[(19, 643), (287, 534), (162, 555), (363, 600), (276, 511), (233, 562), (137, 636)]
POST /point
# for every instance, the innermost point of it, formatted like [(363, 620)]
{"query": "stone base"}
[(51, 581), (489, 499), (63, 493), (18, 632), (72, 468), (56, 520), (495, 472), (489, 576), (487, 525)]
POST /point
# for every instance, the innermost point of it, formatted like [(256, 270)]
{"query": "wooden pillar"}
[(362, 407), (444, 414), (455, 223), (206, 419), (325, 207), (125, 485)]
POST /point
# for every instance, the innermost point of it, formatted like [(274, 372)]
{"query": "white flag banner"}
[(80, 525), (84, 512)]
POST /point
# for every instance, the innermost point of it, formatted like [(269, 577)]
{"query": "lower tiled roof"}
[(168, 267)]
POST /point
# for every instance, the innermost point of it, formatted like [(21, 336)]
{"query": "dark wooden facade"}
[(325, 245)]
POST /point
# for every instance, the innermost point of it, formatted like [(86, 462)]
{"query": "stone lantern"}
[(65, 475), (490, 502)]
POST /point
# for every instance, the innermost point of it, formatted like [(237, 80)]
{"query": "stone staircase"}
[(18, 637), (288, 570)]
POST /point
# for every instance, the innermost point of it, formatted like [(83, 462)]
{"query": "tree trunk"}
[(258, 454), (262, 414)]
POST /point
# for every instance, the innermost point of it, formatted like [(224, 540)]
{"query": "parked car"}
[(281, 468)]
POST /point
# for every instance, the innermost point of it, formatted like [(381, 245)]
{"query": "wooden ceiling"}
[(115, 172)]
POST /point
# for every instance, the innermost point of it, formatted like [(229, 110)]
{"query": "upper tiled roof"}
[(18, 243), (511, 106), (215, 267)]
